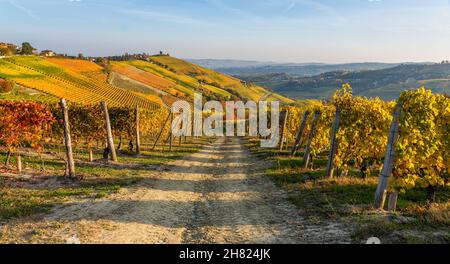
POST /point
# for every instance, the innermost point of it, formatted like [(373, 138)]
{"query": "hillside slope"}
[(182, 79), (150, 84), (76, 80)]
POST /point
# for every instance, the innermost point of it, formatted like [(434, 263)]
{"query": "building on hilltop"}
[(7, 49), (48, 53)]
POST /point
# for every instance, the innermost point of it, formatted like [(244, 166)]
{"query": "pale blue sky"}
[(267, 30)]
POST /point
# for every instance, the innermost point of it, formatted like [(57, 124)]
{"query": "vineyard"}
[(189, 78), (350, 159), (359, 128), (42, 75), (148, 84), (344, 157)]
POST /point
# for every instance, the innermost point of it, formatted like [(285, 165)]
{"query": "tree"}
[(8, 50), (27, 49), (6, 86), (80, 56)]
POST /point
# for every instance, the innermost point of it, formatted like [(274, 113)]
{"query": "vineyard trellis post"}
[(333, 143), (391, 154), (170, 132), (110, 140), (306, 156), (393, 197), (91, 155), (300, 133), (138, 139), (70, 163), (285, 115), (161, 131), (19, 163)]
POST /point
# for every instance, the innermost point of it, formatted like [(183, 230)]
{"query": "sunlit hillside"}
[(159, 81), (213, 80), (76, 80)]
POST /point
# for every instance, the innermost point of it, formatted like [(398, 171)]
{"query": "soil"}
[(217, 195)]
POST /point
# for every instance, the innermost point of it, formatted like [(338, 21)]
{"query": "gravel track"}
[(217, 195)]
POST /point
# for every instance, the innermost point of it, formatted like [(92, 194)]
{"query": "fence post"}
[(283, 128), (391, 154), (333, 144), (310, 137), (109, 135), (300, 133), (67, 140), (138, 139)]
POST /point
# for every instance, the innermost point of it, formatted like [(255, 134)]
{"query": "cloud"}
[(25, 10), (290, 6)]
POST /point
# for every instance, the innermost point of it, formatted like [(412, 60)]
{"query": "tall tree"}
[(27, 49)]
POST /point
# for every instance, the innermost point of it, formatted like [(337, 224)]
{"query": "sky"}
[(329, 31)]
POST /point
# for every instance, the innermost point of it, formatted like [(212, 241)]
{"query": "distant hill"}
[(218, 64), (245, 68), (153, 83), (385, 83)]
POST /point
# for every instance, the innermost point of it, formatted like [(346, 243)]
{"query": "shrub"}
[(6, 86)]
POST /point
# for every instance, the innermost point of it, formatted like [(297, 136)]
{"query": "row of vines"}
[(27, 124), (420, 136)]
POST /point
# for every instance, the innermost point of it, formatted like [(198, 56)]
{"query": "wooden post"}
[(391, 154), (91, 155), (170, 133), (283, 128), (392, 205), (161, 131), (67, 140), (111, 148), (138, 139), (333, 143), (310, 137), (300, 133), (19, 163)]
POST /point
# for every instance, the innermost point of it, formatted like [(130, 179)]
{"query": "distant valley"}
[(243, 68), (319, 81)]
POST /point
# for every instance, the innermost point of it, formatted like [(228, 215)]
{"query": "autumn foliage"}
[(24, 123)]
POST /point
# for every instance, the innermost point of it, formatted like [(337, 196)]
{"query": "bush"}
[(6, 86)]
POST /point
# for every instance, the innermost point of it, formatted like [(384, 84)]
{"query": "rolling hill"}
[(77, 81), (248, 68), (149, 84), (384, 83)]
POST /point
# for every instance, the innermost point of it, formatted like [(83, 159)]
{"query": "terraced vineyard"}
[(229, 84), (148, 84), (185, 78), (46, 76)]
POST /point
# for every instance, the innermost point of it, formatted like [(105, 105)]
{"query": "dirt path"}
[(218, 195)]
